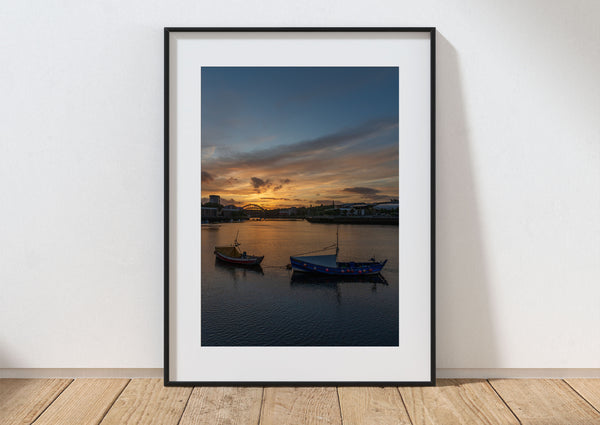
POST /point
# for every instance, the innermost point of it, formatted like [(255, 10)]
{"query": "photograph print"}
[(300, 206)]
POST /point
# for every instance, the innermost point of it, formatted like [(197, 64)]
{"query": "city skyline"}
[(219, 201), (283, 137)]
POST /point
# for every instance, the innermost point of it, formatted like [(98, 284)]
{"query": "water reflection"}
[(236, 271), (316, 279), (302, 281), (270, 305)]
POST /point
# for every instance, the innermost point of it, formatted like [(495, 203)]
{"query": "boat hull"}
[(249, 260), (340, 269)]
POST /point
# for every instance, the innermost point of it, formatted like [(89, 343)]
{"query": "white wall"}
[(518, 175)]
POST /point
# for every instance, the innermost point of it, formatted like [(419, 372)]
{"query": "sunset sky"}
[(297, 136)]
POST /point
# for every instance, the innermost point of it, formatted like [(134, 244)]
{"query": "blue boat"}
[(329, 265)]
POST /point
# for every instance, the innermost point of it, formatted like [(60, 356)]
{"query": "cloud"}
[(361, 159), (208, 151), (230, 201), (362, 190), (207, 177), (324, 146), (258, 183), (283, 183), (369, 193)]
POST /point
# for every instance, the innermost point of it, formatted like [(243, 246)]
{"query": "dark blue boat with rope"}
[(329, 265)]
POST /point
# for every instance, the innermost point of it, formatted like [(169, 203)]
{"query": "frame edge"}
[(433, 33), (166, 180)]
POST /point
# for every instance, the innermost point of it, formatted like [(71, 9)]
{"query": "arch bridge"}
[(253, 207), (254, 210)]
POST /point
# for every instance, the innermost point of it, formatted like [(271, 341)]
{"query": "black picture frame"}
[(168, 31)]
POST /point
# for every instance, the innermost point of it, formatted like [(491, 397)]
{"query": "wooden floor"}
[(146, 401)]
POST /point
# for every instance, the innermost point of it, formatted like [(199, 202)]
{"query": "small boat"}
[(236, 271), (329, 265), (231, 254)]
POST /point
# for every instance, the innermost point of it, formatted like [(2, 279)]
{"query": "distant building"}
[(229, 211), (214, 199), (209, 212), (357, 208), (288, 211), (386, 207)]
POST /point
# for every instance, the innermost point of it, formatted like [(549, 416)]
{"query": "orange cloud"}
[(351, 165)]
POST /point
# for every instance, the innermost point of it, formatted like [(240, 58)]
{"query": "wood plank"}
[(148, 401), (588, 389), (372, 406), (545, 402), (84, 402), (456, 401), (223, 406), (23, 400), (300, 405)]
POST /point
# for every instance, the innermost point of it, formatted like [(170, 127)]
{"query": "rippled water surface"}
[(273, 306)]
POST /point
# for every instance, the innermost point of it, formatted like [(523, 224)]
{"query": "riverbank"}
[(353, 219), (206, 220)]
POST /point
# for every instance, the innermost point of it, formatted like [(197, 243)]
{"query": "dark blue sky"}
[(306, 133)]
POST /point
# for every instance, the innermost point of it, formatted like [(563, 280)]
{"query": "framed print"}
[(299, 206)]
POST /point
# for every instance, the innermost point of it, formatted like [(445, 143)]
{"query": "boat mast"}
[(236, 243), (337, 240)]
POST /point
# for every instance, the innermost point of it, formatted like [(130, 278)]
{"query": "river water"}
[(273, 306)]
